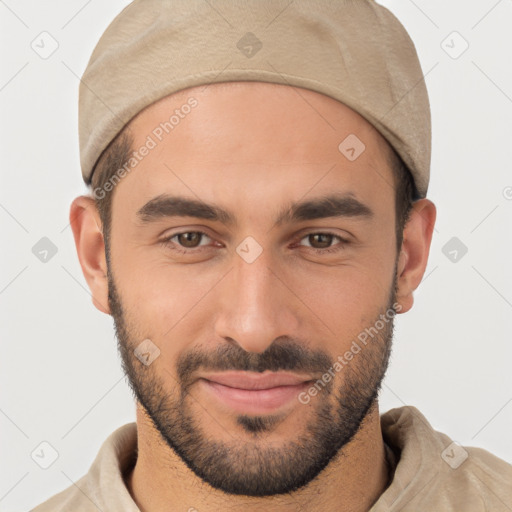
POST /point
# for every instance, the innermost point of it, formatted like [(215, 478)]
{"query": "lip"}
[(254, 393), (255, 381)]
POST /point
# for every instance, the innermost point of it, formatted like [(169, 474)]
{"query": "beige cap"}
[(354, 51)]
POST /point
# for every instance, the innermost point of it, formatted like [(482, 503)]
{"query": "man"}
[(258, 217)]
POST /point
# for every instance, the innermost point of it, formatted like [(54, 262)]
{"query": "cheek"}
[(346, 299), (164, 304), (350, 287)]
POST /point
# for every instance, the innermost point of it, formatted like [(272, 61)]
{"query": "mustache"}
[(282, 354)]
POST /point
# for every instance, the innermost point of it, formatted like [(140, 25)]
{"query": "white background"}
[(60, 378)]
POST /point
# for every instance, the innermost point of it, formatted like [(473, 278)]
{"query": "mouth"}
[(252, 392)]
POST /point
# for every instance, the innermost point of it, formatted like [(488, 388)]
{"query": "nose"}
[(255, 304)]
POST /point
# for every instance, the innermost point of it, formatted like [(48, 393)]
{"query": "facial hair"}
[(246, 466)]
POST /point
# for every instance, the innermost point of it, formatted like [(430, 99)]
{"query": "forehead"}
[(256, 139)]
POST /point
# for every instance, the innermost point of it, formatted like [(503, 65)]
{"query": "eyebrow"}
[(333, 205)]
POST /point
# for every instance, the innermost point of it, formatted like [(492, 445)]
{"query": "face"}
[(245, 245)]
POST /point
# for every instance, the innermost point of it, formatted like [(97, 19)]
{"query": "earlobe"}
[(413, 257), (87, 232)]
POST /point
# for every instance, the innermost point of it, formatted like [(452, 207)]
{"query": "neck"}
[(352, 482)]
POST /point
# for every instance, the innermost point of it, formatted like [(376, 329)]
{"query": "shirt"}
[(430, 473)]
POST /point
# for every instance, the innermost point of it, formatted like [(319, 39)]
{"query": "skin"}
[(279, 147)]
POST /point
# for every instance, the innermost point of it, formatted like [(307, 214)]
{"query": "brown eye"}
[(324, 240), (190, 239), (322, 243), (186, 241)]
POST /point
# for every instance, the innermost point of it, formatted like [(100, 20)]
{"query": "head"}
[(293, 258)]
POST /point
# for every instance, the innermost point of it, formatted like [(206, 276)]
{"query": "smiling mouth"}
[(251, 392)]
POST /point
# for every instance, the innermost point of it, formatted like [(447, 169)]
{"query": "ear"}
[(413, 257), (90, 247)]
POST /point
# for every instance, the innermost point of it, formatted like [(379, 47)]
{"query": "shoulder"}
[(103, 487), (70, 499), (482, 480), (433, 472)]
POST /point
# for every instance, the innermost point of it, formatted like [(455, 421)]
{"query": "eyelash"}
[(167, 243)]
